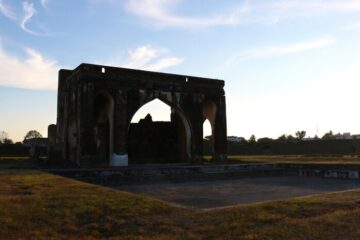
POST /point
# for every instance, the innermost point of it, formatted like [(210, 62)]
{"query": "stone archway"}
[(177, 133)]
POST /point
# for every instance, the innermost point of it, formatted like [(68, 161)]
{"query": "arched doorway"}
[(104, 118), (209, 124), (159, 133)]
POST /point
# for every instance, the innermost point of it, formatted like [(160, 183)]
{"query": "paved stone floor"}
[(221, 193)]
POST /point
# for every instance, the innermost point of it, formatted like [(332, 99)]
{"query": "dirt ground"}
[(221, 193)]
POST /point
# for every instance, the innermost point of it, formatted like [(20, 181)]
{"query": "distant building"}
[(340, 136), (36, 142), (308, 139), (235, 139), (355, 136)]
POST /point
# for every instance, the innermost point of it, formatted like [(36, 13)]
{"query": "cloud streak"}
[(353, 26), (148, 58), (283, 49), (6, 11), (37, 72), (163, 12), (32, 72), (44, 3), (160, 12), (29, 12)]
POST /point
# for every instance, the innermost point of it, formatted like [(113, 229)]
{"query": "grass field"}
[(321, 159), (38, 205)]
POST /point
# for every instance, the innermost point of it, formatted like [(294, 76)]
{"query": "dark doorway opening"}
[(163, 139)]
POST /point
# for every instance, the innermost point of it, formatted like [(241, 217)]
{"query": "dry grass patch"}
[(301, 159), (36, 205)]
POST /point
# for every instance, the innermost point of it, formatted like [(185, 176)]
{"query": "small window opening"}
[(186, 79), (103, 70)]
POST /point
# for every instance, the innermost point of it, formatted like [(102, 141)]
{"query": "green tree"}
[(252, 139), (328, 135), (4, 137), (32, 134), (8, 141), (300, 135), (282, 138), (290, 138)]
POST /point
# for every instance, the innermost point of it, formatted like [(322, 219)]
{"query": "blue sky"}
[(288, 65)]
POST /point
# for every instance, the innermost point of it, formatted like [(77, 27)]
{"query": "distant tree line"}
[(5, 139), (299, 136), (284, 138)]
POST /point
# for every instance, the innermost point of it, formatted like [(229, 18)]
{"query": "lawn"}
[(303, 159), (38, 205)]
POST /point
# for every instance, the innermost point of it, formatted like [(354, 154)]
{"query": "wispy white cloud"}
[(353, 26), (33, 72), (44, 3), (160, 11), (147, 58), (163, 12), (6, 10), (164, 63), (29, 12), (278, 10), (283, 49)]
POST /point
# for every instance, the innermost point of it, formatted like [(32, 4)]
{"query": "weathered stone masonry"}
[(96, 105)]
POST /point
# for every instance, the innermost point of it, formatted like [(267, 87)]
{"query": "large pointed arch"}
[(177, 114)]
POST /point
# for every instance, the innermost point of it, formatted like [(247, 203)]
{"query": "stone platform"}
[(136, 174)]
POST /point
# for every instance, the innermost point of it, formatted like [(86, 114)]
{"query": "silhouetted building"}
[(96, 105)]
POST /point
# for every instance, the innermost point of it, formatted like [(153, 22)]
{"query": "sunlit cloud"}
[(147, 58), (32, 72), (6, 10), (38, 72), (282, 49)]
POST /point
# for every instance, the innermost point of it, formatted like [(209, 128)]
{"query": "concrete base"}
[(119, 160)]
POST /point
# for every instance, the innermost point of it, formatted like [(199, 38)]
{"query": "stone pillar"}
[(86, 123), (194, 111), (62, 108), (220, 132), (121, 124)]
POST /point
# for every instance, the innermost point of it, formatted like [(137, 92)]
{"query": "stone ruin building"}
[(96, 105)]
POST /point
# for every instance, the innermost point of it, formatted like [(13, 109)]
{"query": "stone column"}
[(220, 132), (86, 122), (121, 124), (194, 111)]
